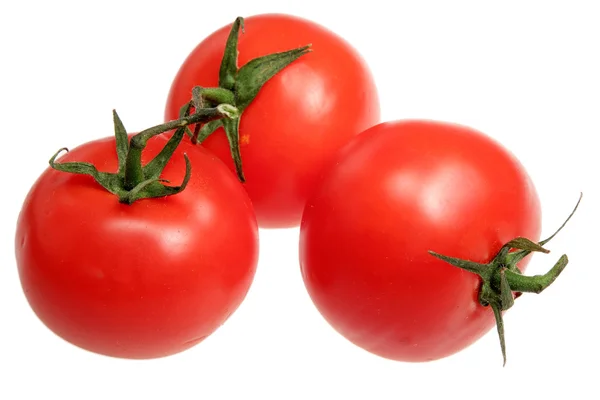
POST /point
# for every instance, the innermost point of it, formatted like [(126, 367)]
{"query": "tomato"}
[(300, 116), (144, 280), (394, 193)]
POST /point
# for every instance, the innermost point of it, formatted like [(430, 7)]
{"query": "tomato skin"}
[(392, 194), (299, 118), (141, 281)]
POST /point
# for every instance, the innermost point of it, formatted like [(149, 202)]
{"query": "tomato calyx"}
[(134, 181), (502, 281), (239, 87)]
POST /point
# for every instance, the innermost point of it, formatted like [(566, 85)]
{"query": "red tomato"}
[(136, 281), (300, 116), (397, 191)]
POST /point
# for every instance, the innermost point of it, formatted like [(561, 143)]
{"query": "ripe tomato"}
[(300, 116), (397, 191), (144, 280)]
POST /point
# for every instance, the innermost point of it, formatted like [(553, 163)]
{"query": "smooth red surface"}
[(140, 281), (299, 118), (395, 192)]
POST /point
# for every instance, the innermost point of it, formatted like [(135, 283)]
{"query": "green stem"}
[(134, 174), (199, 116), (216, 95)]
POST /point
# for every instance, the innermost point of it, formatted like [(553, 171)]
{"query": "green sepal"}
[(232, 130), (229, 66), (254, 74), (207, 129), (122, 141), (497, 310), (111, 182)]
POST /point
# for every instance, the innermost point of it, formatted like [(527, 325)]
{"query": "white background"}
[(526, 73)]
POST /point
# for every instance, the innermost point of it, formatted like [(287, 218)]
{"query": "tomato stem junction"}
[(502, 281), (239, 87), (134, 181)]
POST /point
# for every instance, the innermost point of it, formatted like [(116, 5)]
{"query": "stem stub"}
[(501, 280)]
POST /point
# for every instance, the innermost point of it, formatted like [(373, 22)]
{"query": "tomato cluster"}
[(414, 234)]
